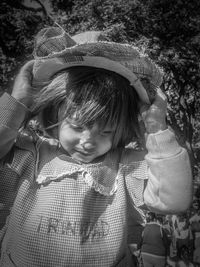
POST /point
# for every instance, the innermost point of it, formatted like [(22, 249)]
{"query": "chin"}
[(83, 159)]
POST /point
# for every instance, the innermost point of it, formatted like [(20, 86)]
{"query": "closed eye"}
[(76, 127), (107, 132), (73, 124)]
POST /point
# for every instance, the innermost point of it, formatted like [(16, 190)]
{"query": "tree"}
[(174, 29), (19, 23)]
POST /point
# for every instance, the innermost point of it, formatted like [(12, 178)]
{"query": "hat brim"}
[(45, 69)]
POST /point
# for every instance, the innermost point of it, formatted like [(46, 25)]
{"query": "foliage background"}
[(167, 30)]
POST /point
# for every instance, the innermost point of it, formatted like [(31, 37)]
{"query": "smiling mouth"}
[(84, 153)]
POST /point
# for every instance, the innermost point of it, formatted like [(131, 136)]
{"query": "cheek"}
[(105, 144), (67, 137)]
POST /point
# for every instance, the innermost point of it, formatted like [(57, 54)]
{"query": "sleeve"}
[(169, 186), (17, 151), (12, 115), (136, 179), (134, 171)]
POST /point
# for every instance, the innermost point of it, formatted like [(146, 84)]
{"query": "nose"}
[(90, 133), (88, 145), (88, 138)]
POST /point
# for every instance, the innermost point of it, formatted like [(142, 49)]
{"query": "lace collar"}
[(52, 165)]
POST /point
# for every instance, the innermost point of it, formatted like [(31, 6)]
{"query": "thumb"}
[(26, 70), (22, 88)]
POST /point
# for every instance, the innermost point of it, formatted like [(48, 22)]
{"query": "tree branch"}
[(42, 7), (19, 5)]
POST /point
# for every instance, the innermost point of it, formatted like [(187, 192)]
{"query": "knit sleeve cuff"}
[(12, 112), (162, 144)]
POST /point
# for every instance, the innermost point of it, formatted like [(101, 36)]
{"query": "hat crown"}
[(56, 50), (88, 37), (52, 40)]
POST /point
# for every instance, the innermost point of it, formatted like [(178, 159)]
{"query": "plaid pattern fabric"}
[(65, 221), (80, 215), (54, 42)]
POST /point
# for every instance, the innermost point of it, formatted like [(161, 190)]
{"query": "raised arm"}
[(169, 187), (14, 108)]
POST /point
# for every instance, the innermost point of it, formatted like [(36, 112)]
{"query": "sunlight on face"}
[(82, 143)]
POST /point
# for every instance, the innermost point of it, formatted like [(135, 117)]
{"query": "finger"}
[(161, 94), (160, 100), (26, 70), (28, 66)]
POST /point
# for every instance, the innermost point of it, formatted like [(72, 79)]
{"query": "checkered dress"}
[(66, 213)]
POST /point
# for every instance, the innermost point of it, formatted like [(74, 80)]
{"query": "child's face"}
[(85, 143)]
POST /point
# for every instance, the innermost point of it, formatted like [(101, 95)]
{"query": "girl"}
[(79, 184)]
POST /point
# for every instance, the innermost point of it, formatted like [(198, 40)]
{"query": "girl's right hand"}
[(22, 89)]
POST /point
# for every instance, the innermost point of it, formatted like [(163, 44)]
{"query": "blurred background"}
[(167, 30)]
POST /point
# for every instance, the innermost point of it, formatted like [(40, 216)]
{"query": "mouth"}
[(84, 153)]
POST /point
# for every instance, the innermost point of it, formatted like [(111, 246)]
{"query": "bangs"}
[(91, 95), (93, 99), (97, 95)]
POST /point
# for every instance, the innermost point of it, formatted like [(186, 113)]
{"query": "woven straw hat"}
[(55, 50)]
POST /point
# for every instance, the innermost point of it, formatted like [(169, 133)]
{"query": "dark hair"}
[(93, 95)]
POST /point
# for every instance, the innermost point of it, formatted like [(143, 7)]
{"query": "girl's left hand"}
[(154, 116)]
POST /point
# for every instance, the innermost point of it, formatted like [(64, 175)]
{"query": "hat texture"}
[(56, 50)]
